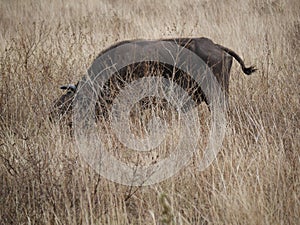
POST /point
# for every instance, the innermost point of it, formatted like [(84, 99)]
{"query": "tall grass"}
[(256, 176)]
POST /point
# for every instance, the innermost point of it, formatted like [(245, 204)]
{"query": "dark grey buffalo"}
[(217, 58)]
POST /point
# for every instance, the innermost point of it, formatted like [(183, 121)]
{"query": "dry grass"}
[(256, 177)]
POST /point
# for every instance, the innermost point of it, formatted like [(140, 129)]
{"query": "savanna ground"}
[(256, 176)]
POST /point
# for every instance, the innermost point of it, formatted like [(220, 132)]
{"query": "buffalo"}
[(218, 58)]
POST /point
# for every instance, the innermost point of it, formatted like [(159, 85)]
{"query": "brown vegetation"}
[(256, 177)]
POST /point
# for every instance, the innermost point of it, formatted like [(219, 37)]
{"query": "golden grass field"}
[(256, 176)]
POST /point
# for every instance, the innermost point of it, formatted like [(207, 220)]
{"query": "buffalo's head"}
[(62, 107)]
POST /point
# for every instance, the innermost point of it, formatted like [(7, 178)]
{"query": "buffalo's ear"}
[(69, 87)]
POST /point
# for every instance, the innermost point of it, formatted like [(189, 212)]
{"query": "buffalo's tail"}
[(246, 70)]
